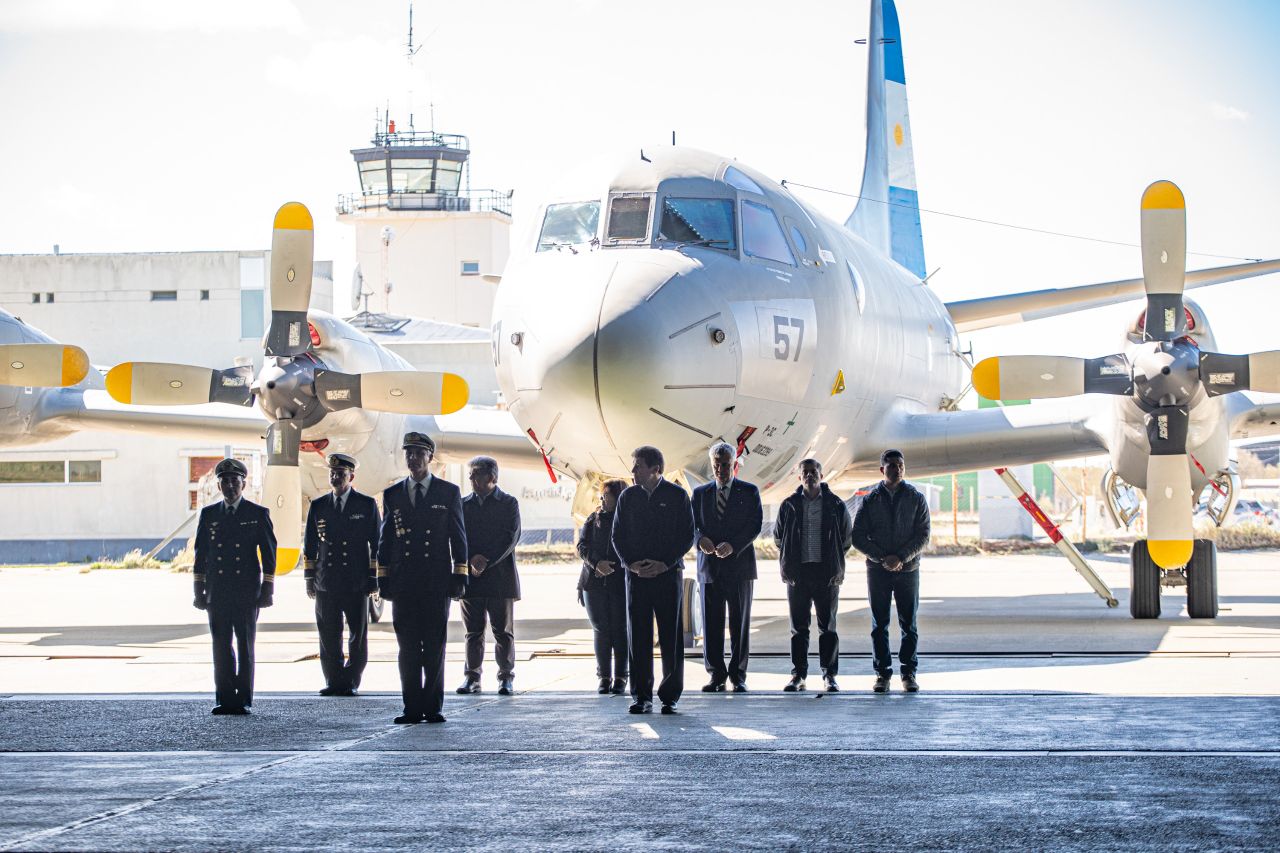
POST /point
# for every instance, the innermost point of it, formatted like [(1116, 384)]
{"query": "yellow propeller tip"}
[(1170, 553), (453, 393), (75, 365), (294, 216), (120, 382), (986, 378), (1163, 195), (286, 560)]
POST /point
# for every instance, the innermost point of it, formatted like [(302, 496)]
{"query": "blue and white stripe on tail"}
[(888, 214)]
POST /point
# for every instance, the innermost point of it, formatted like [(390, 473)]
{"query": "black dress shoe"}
[(795, 685), (715, 686), (881, 685), (641, 707), (604, 687), (829, 681), (238, 711), (619, 686), (434, 718), (740, 687), (346, 691), (328, 691), (506, 687), (909, 682), (407, 719), (471, 685), (221, 710), (668, 708)]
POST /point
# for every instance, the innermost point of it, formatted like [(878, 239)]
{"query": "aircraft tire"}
[(690, 613), (1202, 581), (1144, 583), (375, 608)]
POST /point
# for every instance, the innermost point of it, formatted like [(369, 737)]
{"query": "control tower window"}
[(448, 173), (569, 224), (762, 235), (707, 221), (412, 176), (373, 176), (628, 218)]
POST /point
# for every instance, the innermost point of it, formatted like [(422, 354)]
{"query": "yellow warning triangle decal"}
[(838, 388)]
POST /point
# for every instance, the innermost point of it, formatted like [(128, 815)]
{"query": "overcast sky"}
[(162, 125)]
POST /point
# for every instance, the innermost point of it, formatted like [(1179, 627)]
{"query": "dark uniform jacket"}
[(493, 529), (653, 527), (892, 524), (421, 546), (837, 535), (741, 525), (595, 543), (340, 550), (233, 552)]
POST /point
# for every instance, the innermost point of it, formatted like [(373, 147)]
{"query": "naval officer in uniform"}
[(340, 556), (235, 568), (422, 565)]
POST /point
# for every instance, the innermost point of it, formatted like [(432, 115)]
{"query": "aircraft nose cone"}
[(1167, 374)]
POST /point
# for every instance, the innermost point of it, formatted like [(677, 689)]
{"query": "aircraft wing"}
[(973, 314), (951, 442), (1251, 419), (75, 409)]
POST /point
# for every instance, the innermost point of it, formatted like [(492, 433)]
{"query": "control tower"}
[(424, 239)]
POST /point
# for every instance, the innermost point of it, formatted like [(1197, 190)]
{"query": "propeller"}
[(295, 389), (42, 365), (1166, 373)]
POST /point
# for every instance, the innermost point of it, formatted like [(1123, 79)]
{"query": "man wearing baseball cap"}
[(234, 573), (422, 566), (340, 556)]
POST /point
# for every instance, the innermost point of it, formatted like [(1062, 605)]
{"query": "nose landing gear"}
[(1199, 576)]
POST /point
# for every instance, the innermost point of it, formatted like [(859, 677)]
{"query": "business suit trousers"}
[(332, 610), (649, 600), (824, 599), (607, 612), (903, 589), (717, 596), (500, 614), (233, 628), (422, 629)]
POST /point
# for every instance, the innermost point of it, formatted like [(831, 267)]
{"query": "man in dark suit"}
[(235, 573), (340, 555), (652, 531), (727, 518), (422, 565), (492, 520), (891, 529)]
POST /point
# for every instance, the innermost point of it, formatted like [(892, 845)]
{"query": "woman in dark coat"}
[(602, 588)]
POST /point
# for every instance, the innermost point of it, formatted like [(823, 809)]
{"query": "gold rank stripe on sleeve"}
[(460, 569), (198, 577), (374, 569), (382, 570), (269, 579)]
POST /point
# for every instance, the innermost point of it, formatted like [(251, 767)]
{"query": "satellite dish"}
[(357, 287)]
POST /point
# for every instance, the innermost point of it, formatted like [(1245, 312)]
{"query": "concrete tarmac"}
[(1046, 721)]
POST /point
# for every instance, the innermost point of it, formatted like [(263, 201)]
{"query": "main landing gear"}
[(1200, 577)]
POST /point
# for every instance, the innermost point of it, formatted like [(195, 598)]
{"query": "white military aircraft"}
[(681, 297)]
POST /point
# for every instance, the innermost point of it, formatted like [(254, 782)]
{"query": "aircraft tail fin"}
[(888, 213)]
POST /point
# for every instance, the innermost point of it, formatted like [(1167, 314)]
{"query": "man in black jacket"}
[(652, 531), (422, 564), (813, 532), (727, 518), (492, 519), (340, 556), (892, 529), (235, 573)]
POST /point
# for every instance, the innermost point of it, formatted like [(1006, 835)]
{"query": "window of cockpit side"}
[(803, 240), (570, 224), (762, 236), (705, 222), (630, 216)]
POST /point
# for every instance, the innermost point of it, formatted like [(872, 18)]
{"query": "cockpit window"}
[(704, 221), (736, 179), (569, 224), (762, 235), (628, 217)]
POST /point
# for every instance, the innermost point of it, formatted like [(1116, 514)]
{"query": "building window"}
[(204, 296), (164, 296), (35, 297), (48, 297), (471, 268), (50, 471), (252, 324)]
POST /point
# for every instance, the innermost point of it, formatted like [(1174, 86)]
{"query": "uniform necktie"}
[(231, 510), (419, 492), (722, 500)]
